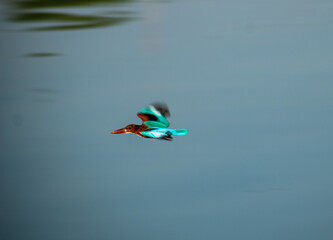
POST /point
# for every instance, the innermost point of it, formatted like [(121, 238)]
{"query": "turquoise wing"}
[(160, 132), (164, 133), (154, 116)]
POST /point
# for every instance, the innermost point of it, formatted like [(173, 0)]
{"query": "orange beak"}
[(122, 130)]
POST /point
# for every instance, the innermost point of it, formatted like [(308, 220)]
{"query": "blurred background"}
[(252, 81)]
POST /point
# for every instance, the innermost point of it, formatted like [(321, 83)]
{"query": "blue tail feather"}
[(178, 132)]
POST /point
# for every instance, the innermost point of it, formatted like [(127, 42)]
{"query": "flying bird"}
[(154, 124)]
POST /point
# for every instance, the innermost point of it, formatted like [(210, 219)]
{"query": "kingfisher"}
[(154, 124)]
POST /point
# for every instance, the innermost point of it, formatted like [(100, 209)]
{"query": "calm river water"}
[(252, 81)]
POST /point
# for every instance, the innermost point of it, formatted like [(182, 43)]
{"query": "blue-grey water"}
[(251, 80)]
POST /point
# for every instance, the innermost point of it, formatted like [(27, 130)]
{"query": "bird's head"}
[(131, 128)]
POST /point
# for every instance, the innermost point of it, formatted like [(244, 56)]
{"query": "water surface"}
[(251, 81)]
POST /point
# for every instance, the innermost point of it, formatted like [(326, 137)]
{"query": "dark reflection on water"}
[(42, 54), (30, 11), (43, 90), (43, 95)]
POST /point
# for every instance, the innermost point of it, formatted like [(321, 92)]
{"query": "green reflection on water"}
[(87, 21), (68, 21), (63, 3), (110, 22), (50, 16)]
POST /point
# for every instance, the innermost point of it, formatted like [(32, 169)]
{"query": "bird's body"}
[(154, 124)]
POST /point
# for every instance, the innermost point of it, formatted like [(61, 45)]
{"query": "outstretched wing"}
[(154, 116)]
